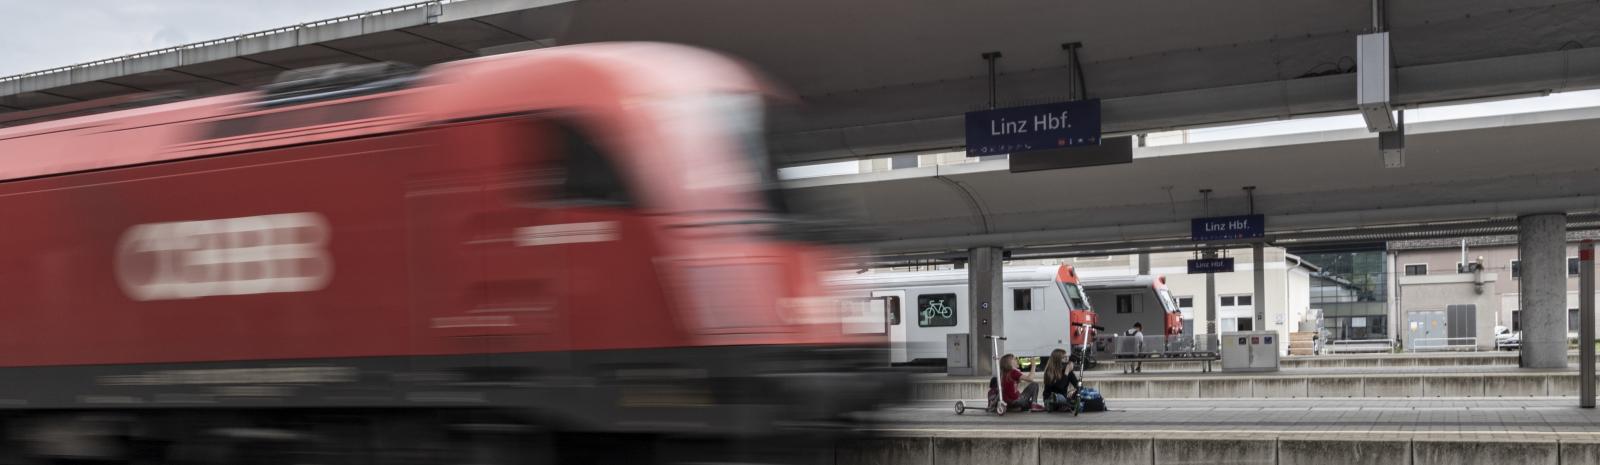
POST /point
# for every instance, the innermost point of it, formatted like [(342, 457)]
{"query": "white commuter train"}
[(919, 308)]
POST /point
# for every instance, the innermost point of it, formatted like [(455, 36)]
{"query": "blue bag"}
[(1092, 402)]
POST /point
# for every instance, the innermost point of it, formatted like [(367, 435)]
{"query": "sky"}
[(40, 35)]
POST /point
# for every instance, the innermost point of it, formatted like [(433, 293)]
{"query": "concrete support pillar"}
[(1259, 252), (1211, 298), (1586, 324), (1144, 263), (985, 295), (1542, 247)]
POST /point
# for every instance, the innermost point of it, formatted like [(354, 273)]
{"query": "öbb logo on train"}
[(263, 254)]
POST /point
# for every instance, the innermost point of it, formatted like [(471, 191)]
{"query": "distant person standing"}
[(1137, 333)]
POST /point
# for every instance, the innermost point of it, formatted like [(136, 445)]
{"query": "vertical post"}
[(1211, 299), (991, 57), (1586, 324), (985, 288), (1542, 247), (1259, 250)]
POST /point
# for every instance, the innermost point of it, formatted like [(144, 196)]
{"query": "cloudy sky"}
[(45, 34)]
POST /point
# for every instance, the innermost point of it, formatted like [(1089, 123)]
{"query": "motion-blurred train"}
[(1043, 308), (453, 263)]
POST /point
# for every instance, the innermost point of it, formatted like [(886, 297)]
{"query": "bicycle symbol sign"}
[(936, 310)]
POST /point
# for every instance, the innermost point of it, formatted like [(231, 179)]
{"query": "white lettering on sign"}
[(1050, 122), (232, 256), (1003, 127)]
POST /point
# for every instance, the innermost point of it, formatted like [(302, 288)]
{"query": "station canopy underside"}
[(1461, 178), (896, 75)]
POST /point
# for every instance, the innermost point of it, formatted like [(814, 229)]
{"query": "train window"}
[(1124, 303), (587, 174), (1074, 296), (893, 305), (1022, 299), (936, 310)]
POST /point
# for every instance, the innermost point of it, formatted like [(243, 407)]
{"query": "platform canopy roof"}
[(887, 76)]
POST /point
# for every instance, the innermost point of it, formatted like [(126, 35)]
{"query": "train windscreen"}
[(1167, 302), (1074, 295)]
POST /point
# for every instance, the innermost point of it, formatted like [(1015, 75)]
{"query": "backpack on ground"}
[(1092, 401)]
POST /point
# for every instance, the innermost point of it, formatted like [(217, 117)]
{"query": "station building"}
[(1432, 283)]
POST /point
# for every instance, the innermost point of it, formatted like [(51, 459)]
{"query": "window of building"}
[(1186, 303), (1356, 327), (1245, 324), (1124, 303), (1418, 269), (935, 310), (1022, 299), (1572, 266), (1516, 269), (1573, 320), (1244, 300), (1516, 320), (1227, 301)]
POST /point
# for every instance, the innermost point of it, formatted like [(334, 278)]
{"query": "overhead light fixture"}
[(1373, 83)]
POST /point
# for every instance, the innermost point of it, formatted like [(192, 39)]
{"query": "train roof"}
[(1012, 274), (560, 77)]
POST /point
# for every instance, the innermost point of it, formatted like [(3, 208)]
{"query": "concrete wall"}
[(1033, 448), (1498, 385)]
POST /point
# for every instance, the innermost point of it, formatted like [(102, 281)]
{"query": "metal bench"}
[(1127, 351)]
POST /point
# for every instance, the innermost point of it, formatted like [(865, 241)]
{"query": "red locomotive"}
[(580, 238)]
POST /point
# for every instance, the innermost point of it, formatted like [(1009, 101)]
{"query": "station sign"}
[(1228, 227), (1033, 127), (1211, 265)]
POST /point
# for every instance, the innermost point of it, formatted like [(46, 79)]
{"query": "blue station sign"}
[(1033, 127), (1211, 265), (1228, 227)]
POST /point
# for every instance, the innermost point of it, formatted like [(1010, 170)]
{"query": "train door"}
[(1035, 322), (935, 312), (894, 315)]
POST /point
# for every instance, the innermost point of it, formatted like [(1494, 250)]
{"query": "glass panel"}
[(1074, 295), (1227, 301), (1022, 299), (1124, 303), (1244, 300), (1246, 324), (1167, 302), (1186, 302), (1572, 266)]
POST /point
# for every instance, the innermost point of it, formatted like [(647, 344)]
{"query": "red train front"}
[(582, 236)]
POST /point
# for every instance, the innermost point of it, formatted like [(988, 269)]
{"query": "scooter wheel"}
[(961, 407), (1000, 409)]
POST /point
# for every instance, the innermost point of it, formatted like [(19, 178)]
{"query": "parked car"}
[(1506, 339)]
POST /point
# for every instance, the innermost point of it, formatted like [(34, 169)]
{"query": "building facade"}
[(1431, 278)]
